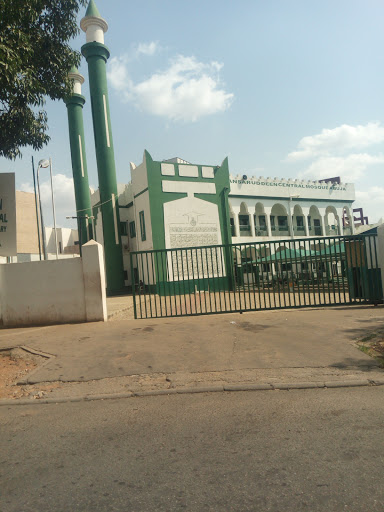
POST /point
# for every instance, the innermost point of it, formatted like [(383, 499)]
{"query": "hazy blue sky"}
[(283, 88)]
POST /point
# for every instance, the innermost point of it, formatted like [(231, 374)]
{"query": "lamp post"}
[(44, 164), (37, 211)]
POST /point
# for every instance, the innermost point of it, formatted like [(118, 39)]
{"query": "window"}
[(273, 223), (309, 223), (244, 220), (132, 229), (263, 223), (300, 223), (244, 223), (282, 221), (142, 226), (317, 227), (123, 228)]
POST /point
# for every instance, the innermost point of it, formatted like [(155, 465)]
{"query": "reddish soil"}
[(13, 369)]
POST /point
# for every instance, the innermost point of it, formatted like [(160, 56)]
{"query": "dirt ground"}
[(12, 369), (15, 365)]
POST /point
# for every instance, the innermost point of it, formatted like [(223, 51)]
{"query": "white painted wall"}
[(66, 236), (139, 177), (53, 292)]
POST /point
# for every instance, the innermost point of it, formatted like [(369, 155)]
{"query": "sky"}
[(289, 89)]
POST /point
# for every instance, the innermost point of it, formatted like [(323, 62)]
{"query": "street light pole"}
[(41, 211), (37, 211)]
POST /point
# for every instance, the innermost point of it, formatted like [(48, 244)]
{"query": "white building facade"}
[(265, 209), (174, 204)]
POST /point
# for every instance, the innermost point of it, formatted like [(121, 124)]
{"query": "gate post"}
[(380, 255)]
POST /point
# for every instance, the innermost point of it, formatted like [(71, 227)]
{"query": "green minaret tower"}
[(75, 104), (97, 55)]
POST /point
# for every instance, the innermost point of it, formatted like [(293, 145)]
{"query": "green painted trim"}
[(75, 99), (95, 49), (142, 192), (261, 198), (143, 232)]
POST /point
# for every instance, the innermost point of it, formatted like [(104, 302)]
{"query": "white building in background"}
[(265, 209), (27, 239)]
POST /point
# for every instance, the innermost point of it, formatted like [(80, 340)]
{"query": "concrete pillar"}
[(94, 282), (322, 224), (236, 223), (252, 224), (268, 221), (352, 222), (306, 228), (290, 224)]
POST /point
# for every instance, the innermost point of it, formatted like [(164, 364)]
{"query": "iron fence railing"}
[(258, 275)]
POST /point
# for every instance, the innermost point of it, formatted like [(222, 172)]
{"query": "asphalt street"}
[(303, 450)]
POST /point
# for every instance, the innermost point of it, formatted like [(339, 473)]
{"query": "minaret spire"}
[(97, 55)]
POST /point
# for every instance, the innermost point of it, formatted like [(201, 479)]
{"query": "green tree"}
[(35, 58)]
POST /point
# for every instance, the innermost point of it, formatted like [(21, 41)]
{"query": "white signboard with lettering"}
[(7, 214), (192, 222)]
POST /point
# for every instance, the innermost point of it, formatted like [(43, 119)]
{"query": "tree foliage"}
[(35, 58)]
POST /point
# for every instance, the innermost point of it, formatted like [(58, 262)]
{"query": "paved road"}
[(314, 450)]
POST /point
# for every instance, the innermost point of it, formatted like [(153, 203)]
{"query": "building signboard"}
[(273, 187), (7, 214)]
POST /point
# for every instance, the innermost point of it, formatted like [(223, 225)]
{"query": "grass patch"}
[(373, 345)]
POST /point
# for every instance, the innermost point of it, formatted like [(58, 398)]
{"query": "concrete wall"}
[(56, 291)]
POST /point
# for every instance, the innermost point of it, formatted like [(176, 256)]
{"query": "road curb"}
[(283, 386)]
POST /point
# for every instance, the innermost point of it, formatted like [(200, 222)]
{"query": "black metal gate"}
[(260, 275)]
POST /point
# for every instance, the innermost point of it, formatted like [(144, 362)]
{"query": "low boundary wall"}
[(54, 292)]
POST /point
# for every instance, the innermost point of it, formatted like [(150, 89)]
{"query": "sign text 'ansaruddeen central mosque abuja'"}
[(286, 184)]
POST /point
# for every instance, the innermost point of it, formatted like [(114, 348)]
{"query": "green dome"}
[(74, 70)]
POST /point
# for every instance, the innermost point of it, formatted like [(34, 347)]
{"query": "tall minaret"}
[(97, 55), (75, 104)]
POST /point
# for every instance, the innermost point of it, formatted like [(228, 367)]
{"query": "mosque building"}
[(176, 204)]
